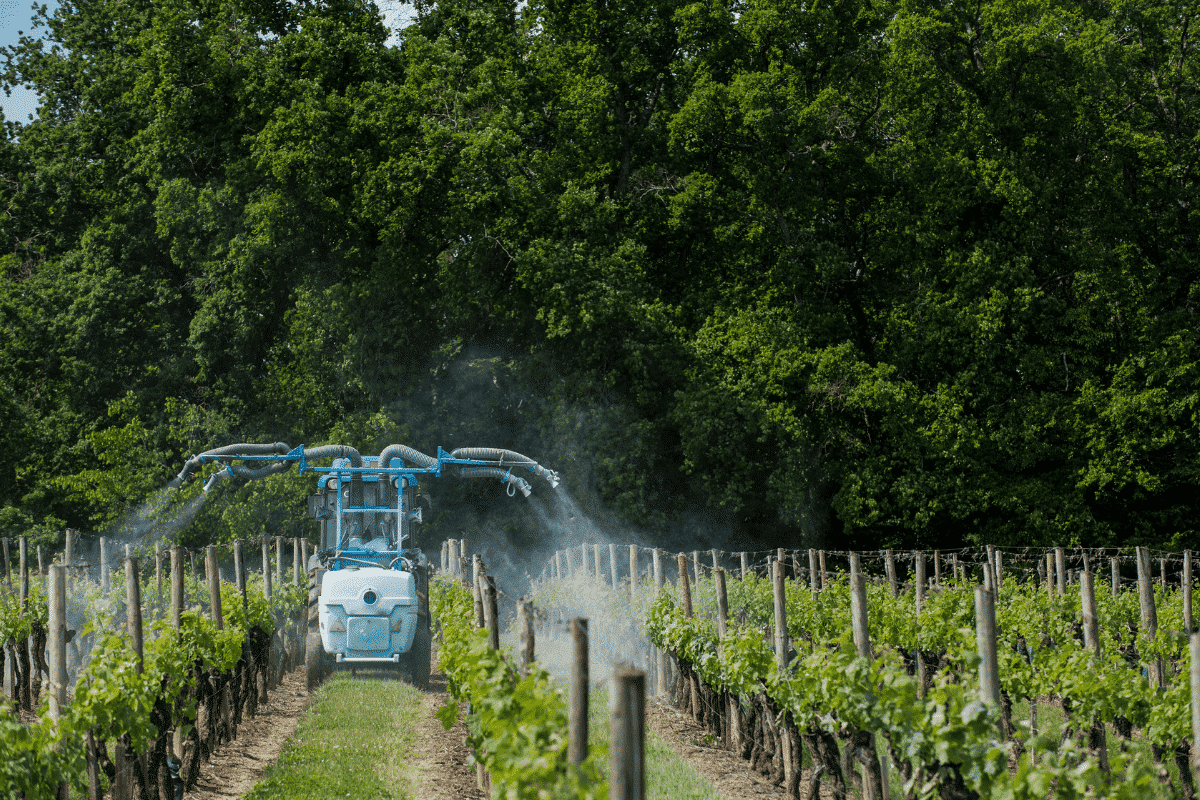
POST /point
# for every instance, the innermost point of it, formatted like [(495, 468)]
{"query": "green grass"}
[(668, 777), (356, 740)]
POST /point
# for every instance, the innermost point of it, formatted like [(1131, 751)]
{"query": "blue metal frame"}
[(407, 476)]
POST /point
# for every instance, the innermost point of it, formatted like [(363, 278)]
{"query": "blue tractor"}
[(368, 580)]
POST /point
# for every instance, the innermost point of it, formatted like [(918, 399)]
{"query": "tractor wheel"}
[(313, 668), (419, 655)]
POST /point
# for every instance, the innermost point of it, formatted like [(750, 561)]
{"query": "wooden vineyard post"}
[(1097, 738), (491, 611), (177, 587), (23, 566), (989, 572), (476, 571), (598, 563), (633, 573), (998, 566), (796, 573), (660, 655), (133, 609), (57, 643), (1060, 571), (864, 741), (1162, 573), (612, 564), (858, 608), (937, 567), (722, 609), (443, 558), (779, 603), (1194, 645), (1187, 592), (954, 566), (7, 567), (279, 562), (1050, 579), (192, 565), (525, 626), (42, 568), (1115, 568), (103, 566), (577, 693), (297, 559), (732, 741), (266, 568), (814, 582), (685, 595), (23, 646), (821, 558), (1149, 616), (919, 580), (212, 571), (742, 559), (685, 591), (158, 589), (452, 557), (627, 720), (780, 615), (985, 643), (716, 561), (696, 567), (889, 563), (239, 574)]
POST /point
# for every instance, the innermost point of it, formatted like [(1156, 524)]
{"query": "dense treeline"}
[(902, 271)]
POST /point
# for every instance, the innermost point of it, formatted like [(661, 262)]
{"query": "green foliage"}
[(898, 272), (950, 732), (517, 726)]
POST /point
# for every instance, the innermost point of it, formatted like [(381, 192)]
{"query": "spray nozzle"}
[(216, 478)]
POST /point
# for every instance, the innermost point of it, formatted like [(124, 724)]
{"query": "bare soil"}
[(235, 767), (729, 774), (442, 771)]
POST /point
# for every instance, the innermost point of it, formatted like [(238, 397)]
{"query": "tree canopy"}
[(899, 272)]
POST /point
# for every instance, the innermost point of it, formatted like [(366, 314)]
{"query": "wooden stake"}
[(491, 611), (780, 609), (696, 567), (626, 733), (1149, 616), (577, 693), (177, 586), (525, 626), (212, 570), (985, 642), (745, 566), (889, 564), (297, 561), (937, 567), (266, 568), (133, 609), (1187, 592), (633, 573), (279, 561), (23, 556), (814, 582), (239, 570), (56, 640), (858, 608), (612, 564), (1060, 568), (1194, 645), (1116, 576), (685, 591), (103, 567), (660, 655)]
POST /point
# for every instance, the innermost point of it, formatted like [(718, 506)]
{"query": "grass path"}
[(356, 740)]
